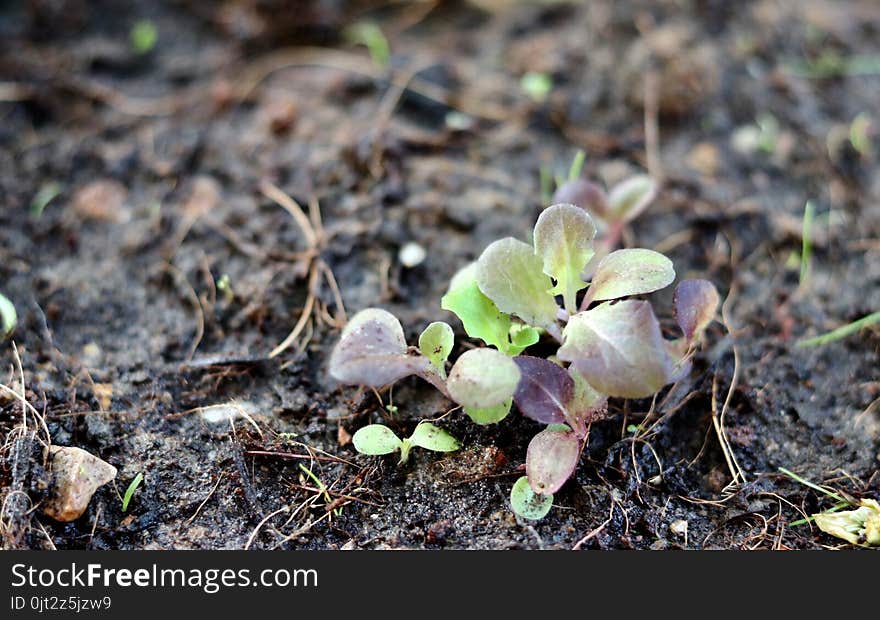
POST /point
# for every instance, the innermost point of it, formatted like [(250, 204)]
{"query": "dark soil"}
[(124, 337)]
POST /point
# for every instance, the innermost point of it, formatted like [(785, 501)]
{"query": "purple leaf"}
[(587, 404), (582, 193), (372, 351), (695, 303), (551, 459), (544, 391), (618, 348)]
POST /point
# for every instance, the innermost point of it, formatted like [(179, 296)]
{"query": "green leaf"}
[(129, 492), (522, 337), (8, 317), (510, 274), (630, 272), (436, 343), (376, 439), (483, 378), (528, 504), (480, 316), (489, 415), (434, 438), (564, 241), (537, 85), (628, 199), (618, 348)]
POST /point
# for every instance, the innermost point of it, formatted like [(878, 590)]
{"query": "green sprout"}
[(129, 492), (46, 194), (859, 134), (143, 36), (370, 35), (577, 165), (321, 487), (378, 440), (224, 287), (841, 332), (536, 85), (807, 241), (8, 317)]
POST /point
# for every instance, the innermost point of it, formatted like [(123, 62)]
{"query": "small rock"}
[(679, 528), (412, 255), (217, 414), (705, 159), (103, 393), (76, 475), (101, 200)]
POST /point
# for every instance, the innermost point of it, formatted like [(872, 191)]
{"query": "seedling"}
[(370, 36), (8, 317), (143, 36), (378, 440), (537, 86), (607, 344), (129, 492), (46, 194)]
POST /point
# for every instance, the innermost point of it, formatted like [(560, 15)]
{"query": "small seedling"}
[(606, 343), (143, 36), (807, 241), (46, 194), (370, 35), (8, 317), (378, 440), (537, 86), (129, 492)]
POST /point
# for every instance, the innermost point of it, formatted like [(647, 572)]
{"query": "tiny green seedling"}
[(46, 194), (602, 341), (537, 86), (378, 440), (371, 36), (8, 317), (143, 36), (129, 492)]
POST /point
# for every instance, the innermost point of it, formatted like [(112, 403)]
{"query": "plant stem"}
[(841, 332)]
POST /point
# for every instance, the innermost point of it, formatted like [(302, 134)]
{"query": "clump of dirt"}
[(159, 274)]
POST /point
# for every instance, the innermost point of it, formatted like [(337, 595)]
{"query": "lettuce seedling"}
[(378, 440), (608, 343)]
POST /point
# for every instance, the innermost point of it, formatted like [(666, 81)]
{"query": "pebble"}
[(412, 255), (76, 475)]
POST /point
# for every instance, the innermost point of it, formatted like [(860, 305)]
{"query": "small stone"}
[(412, 255), (679, 528), (704, 158), (76, 475), (103, 393), (217, 414), (101, 200)]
